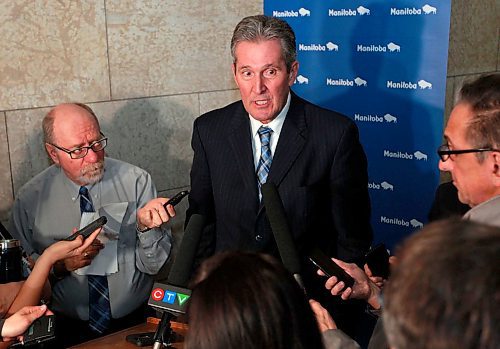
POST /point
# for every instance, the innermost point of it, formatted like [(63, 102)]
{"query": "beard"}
[(92, 173)]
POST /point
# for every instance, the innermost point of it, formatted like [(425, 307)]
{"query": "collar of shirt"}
[(74, 189), (276, 125)]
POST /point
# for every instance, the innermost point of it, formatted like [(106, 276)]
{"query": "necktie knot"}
[(265, 135), (85, 201)]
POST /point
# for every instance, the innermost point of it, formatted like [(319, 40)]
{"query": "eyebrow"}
[(263, 68)]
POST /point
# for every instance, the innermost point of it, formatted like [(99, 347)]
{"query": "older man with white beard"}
[(83, 183)]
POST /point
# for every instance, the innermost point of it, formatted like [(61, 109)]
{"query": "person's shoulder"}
[(223, 114), (314, 112), (122, 168), (46, 177)]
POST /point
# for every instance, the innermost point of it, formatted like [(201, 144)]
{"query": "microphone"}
[(281, 231), (172, 297)]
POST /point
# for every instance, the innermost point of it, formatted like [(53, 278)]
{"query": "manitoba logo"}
[(329, 46), (393, 47), (416, 223), (363, 10), (344, 12), (420, 156), (409, 85), (413, 11), (360, 82), (428, 9), (384, 185), (424, 85), (390, 118), (304, 12), (302, 80), (332, 47)]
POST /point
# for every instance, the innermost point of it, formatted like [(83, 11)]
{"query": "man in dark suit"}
[(311, 154)]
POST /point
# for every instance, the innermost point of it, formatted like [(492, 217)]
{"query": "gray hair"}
[(263, 28), (483, 97)]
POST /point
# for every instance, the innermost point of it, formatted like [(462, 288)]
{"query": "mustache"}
[(90, 168)]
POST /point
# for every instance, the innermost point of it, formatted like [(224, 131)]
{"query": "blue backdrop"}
[(383, 64)]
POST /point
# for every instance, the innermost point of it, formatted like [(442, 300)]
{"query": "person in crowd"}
[(312, 155), (445, 290), (472, 150), (14, 327), (19, 313), (83, 182), (249, 300), (472, 157)]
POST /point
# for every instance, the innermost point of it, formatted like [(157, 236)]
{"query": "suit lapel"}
[(241, 144), (291, 142)]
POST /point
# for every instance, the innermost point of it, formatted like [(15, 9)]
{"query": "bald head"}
[(66, 114)]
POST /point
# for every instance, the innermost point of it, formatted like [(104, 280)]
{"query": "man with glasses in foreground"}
[(82, 183), (472, 150)]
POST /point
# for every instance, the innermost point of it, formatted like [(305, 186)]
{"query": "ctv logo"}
[(168, 297)]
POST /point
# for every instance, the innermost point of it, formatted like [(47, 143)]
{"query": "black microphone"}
[(172, 297), (281, 231)]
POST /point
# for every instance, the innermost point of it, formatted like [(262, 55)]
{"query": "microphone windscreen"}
[(279, 225), (183, 263)]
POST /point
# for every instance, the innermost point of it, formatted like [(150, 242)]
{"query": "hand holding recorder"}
[(158, 211), (362, 287)]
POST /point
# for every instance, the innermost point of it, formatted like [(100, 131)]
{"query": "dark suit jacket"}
[(320, 170)]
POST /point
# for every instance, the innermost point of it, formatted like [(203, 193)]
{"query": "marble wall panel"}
[(52, 51), (474, 37), (5, 174), (152, 133), (27, 153), (165, 47), (215, 100)]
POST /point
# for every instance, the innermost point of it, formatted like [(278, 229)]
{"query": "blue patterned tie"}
[(265, 155), (99, 307)]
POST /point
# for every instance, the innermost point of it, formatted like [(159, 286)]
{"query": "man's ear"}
[(292, 75), (52, 152), (495, 155)]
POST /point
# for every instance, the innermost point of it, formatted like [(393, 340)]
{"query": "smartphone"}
[(329, 267), (176, 199), (41, 330), (144, 339), (88, 229), (378, 261)]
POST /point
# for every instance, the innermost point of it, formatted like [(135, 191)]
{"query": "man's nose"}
[(91, 156), (260, 84), (445, 166)]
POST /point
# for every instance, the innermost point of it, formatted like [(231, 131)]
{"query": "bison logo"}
[(363, 10), (360, 82), (302, 80), (428, 9), (304, 12)]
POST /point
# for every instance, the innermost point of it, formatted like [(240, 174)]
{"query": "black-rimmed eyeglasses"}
[(444, 151), (81, 152)]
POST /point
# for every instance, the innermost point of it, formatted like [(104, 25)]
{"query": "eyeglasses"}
[(444, 151), (81, 152)]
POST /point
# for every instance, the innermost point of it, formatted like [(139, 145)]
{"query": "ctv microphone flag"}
[(169, 298)]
